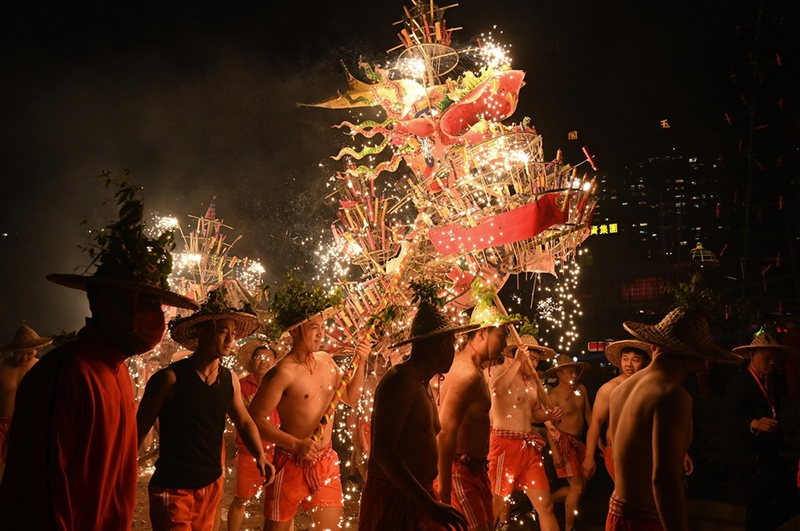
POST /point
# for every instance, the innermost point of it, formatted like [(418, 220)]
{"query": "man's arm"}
[(672, 431), (159, 390), (393, 399), (248, 431), (460, 395), (264, 403), (356, 385), (502, 380), (599, 415)]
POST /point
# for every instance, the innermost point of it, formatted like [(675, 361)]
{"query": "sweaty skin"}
[(515, 406), (650, 423)]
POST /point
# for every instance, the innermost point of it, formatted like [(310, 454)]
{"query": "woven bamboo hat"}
[(489, 316), (763, 339), (26, 338), (183, 330), (544, 353), (614, 350), (245, 353), (682, 332), (565, 361), (429, 322)]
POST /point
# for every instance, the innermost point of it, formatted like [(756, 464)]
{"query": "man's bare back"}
[(648, 407), (11, 374), (415, 442)]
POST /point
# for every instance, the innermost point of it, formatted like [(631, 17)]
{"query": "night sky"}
[(198, 98)]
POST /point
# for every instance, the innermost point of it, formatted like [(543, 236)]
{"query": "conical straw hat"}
[(429, 322), (26, 338), (614, 350), (682, 332), (763, 339)]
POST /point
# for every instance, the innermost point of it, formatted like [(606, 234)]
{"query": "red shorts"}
[(515, 462), (623, 517), (608, 457), (184, 509), (384, 508), (316, 484), (471, 491), (573, 452), (249, 480), (5, 425)]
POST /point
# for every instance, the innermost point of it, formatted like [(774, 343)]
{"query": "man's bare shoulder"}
[(164, 377), (607, 388), (397, 381)]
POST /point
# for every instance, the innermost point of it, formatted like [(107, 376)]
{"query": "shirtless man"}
[(573, 400), (650, 421), (515, 450), (12, 368), (301, 386), (629, 356), (398, 494), (464, 413)]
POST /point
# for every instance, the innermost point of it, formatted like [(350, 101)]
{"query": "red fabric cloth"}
[(515, 462), (624, 517), (608, 457), (384, 508), (5, 425), (471, 492), (507, 227), (298, 481), (184, 509), (573, 452), (72, 446), (249, 386)]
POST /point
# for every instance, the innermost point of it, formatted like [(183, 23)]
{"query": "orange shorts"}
[(471, 491), (623, 517), (608, 457), (317, 484), (184, 509), (5, 425), (249, 480), (573, 452), (384, 508), (515, 462)]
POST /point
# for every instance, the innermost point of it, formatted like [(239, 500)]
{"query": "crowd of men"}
[(441, 452)]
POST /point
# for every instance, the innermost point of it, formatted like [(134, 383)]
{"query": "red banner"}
[(509, 227)]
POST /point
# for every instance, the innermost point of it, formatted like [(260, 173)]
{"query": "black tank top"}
[(191, 427)]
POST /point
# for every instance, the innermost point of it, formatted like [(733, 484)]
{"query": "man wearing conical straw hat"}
[(13, 367), (572, 398), (257, 357), (755, 397), (399, 494), (650, 422), (72, 456), (629, 356), (515, 450), (301, 387), (191, 399), (464, 413)]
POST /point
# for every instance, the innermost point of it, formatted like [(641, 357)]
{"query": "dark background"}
[(198, 98)]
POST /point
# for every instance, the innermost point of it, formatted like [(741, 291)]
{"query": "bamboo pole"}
[(543, 396)]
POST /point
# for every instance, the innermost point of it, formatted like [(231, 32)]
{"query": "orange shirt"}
[(72, 456)]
